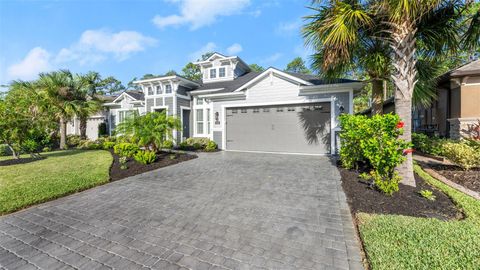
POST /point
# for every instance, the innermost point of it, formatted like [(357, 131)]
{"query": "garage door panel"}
[(297, 128)]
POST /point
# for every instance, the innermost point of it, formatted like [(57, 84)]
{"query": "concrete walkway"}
[(221, 211)]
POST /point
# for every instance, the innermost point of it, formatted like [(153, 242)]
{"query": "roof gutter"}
[(223, 95), (199, 92), (313, 89)]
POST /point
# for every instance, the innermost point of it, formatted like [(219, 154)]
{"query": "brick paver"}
[(223, 210)]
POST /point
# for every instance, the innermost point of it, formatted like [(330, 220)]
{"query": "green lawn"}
[(400, 242), (61, 173)]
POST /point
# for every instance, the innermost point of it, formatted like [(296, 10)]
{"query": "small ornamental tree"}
[(150, 130), (374, 142)]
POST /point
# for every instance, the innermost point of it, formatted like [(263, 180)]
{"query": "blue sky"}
[(127, 39)]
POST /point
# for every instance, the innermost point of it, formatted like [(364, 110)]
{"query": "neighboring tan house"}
[(242, 110), (456, 109), (457, 106)]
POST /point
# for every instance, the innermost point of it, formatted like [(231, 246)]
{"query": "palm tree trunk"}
[(404, 78), (377, 97), (63, 133), (83, 128), (14, 153)]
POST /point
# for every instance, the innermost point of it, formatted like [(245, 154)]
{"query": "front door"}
[(186, 123)]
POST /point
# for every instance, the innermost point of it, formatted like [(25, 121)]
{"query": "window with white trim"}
[(221, 72), (200, 121), (123, 115), (199, 101), (149, 91), (168, 89), (158, 89), (213, 73)]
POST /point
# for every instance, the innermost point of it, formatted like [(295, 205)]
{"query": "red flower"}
[(407, 151), (400, 124)]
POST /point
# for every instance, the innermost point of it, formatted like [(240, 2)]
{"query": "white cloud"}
[(234, 49), (272, 58), (289, 28), (256, 13), (199, 13), (209, 47), (37, 60), (96, 45)]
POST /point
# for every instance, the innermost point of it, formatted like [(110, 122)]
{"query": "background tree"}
[(297, 65), (110, 85), (171, 73), (411, 32), (256, 68), (192, 72), (25, 123)]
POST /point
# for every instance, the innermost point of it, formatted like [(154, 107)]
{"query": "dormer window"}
[(149, 91), (168, 89), (158, 90), (221, 72), (213, 73)]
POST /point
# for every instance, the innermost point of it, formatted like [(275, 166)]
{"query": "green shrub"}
[(429, 145), (47, 149), (89, 145), (374, 141), (475, 144), (197, 144), (123, 163), (211, 146), (168, 144), (108, 145), (126, 149), (73, 140), (145, 157), (428, 194), (387, 186), (5, 150), (462, 154)]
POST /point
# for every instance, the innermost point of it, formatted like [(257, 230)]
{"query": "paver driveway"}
[(221, 211)]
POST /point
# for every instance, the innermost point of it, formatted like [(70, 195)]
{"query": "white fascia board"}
[(124, 93), (331, 87), (222, 95), (199, 92), (166, 78), (275, 71)]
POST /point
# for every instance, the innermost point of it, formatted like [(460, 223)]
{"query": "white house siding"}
[(169, 104), (273, 89)]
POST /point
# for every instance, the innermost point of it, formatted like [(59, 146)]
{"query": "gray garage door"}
[(297, 128)]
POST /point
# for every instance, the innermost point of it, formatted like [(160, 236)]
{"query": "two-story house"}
[(242, 110)]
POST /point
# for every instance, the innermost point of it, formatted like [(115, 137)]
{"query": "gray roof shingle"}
[(230, 86)]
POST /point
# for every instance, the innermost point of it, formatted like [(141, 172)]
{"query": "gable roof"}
[(135, 94), (247, 78), (229, 86), (472, 68)]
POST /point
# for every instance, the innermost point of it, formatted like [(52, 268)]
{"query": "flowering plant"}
[(400, 124)]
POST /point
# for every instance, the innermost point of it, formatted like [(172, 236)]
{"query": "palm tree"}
[(88, 103), (352, 31), (412, 29), (61, 91), (149, 130)]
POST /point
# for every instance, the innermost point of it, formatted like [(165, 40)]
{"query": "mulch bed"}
[(469, 179), (8, 162), (407, 201), (134, 168)]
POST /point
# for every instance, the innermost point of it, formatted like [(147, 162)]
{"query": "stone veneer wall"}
[(459, 127)]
